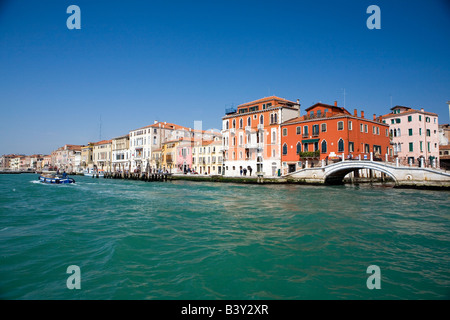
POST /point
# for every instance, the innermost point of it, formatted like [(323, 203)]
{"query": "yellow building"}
[(87, 156), (169, 156)]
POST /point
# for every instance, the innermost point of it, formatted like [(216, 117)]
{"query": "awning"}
[(310, 140)]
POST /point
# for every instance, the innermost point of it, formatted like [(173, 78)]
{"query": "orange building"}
[(251, 136), (328, 132)]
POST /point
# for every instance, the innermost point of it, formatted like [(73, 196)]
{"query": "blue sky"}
[(133, 62)]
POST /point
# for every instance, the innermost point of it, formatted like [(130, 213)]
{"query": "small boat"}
[(93, 173), (53, 178)]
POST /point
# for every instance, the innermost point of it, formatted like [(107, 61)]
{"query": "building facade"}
[(120, 148), (146, 139), (251, 136), (101, 155), (207, 157), (415, 135), (330, 133)]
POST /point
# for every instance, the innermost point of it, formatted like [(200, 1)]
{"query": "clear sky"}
[(134, 62)]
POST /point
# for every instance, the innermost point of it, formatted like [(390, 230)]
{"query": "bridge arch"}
[(336, 173)]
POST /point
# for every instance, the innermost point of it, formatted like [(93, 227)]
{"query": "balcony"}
[(248, 128), (233, 130), (251, 145), (315, 134), (305, 135), (260, 126)]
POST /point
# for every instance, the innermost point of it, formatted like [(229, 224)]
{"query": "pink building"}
[(414, 135), (184, 155)]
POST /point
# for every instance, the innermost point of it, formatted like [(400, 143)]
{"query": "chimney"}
[(374, 117), (155, 121), (299, 112), (362, 114), (355, 112), (421, 109), (335, 103)]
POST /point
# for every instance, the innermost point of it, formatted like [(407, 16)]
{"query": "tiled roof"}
[(266, 99), (410, 111)]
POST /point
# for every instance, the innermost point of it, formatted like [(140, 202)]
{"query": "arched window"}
[(274, 137), (299, 147), (324, 146), (261, 119), (398, 132), (234, 123), (249, 121), (241, 123), (271, 118), (275, 118), (341, 145), (285, 149), (226, 125)]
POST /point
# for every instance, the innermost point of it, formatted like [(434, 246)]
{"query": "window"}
[(275, 118), (226, 125), (249, 121), (305, 147), (350, 125), (285, 149), (234, 123), (421, 146), (351, 147), (378, 130), (420, 117), (362, 127), (366, 128), (410, 132), (261, 119), (428, 133), (411, 147), (427, 119), (299, 147), (274, 137), (387, 133), (299, 130), (284, 132), (305, 130), (341, 145), (241, 123), (271, 118), (398, 132), (397, 120), (420, 131), (340, 125), (324, 127), (315, 130), (373, 130), (409, 118), (324, 147), (366, 148), (392, 121), (429, 147)]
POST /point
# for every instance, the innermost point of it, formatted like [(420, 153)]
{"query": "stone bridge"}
[(401, 175)]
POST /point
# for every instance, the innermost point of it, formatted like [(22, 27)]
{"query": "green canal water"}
[(192, 240)]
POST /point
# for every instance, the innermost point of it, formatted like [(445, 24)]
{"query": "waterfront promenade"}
[(335, 173)]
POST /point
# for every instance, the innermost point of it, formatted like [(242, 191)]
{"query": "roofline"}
[(331, 118)]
